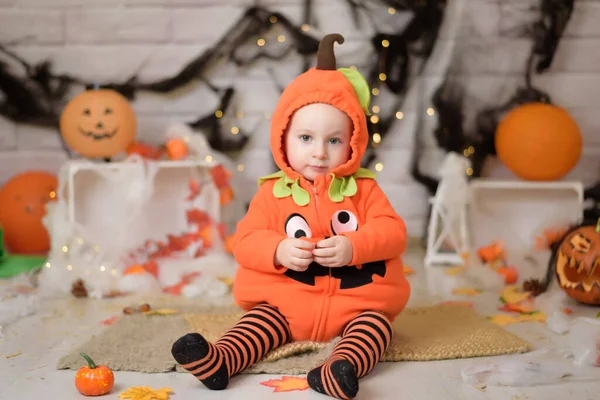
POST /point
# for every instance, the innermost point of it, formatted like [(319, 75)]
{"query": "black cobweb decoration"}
[(37, 97)]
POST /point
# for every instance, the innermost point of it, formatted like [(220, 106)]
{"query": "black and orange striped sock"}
[(364, 341), (260, 330)]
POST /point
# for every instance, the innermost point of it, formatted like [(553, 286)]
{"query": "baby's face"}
[(318, 140)]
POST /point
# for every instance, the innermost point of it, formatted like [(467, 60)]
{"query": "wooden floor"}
[(32, 346)]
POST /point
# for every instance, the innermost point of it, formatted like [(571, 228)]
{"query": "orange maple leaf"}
[(287, 384)]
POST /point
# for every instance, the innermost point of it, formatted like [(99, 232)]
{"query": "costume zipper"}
[(328, 286)]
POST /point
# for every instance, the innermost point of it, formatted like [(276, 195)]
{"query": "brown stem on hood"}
[(325, 54)]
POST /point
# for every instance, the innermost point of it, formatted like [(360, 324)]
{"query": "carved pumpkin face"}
[(577, 264), (98, 123)]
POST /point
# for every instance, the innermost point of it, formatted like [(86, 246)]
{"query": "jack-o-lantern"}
[(576, 262), (98, 123)]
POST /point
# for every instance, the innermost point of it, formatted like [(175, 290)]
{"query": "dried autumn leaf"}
[(466, 291), (287, 384), (408, 270), (512, 295), (533, 317), (520, 308), (162, 311), (456, 303), (452, 271), (502, 319), (146, 393)]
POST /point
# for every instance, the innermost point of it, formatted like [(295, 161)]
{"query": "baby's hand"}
[(333, 252), (294, 254)]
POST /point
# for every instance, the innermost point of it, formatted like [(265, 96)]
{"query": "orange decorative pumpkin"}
[(22, 206), (98, 123), (94, 380), (539, 142), (576, 262)]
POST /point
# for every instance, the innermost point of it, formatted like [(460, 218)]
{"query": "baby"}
[(319, 248)]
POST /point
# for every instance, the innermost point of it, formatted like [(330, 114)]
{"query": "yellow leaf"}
[(146, 393), (162, 311), (535, 317), (408, 270), (502, 319), (466, 291), (287, 384), (512, 295), (454, 271)]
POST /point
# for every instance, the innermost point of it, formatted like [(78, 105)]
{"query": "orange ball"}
[(538, 142), (22, 206), (177, 149)]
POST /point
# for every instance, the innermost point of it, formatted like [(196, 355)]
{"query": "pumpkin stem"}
[(90, 362), (325, 54)]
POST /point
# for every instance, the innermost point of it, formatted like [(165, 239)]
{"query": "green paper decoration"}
[(361, 87), (15, 264)]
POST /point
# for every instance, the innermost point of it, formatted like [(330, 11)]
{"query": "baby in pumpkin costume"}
[(319, 248)]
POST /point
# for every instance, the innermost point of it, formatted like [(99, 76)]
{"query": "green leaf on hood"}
[(285, 187), (361, 87), (346, 186)]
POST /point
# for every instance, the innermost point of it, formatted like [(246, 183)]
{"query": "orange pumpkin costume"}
[(319, 302)]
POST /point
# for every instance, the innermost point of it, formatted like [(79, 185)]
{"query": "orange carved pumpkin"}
[(576, 262), (98, 123), (539, 142)]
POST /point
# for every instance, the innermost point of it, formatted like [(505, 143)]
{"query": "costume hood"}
[(344, 88)]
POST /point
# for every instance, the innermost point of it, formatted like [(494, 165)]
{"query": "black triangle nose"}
[(99, 125)]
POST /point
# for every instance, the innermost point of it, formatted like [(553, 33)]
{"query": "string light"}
[(399, 115), (102, 268), (261, 42), (47, 265), (235, 130), (469, 171), (305, 27), (281, 38), (392, 10), (375, 91), (218, 113), (70, 267), (272, 19), (375, 109), (376, 138), (208, 159), (385, 43), (430, 111), (471, 150), (382, 77), (466, 153), (374, 119), (52, 194), (65, 249), (379, 167), (240, 167)]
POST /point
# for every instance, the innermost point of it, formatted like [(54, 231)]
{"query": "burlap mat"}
[(142, 343)]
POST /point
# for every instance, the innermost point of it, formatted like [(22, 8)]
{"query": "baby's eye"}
[(304, 138), (335, 141)]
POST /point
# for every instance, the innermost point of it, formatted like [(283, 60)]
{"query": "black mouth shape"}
[(349, 276), (99, 136)]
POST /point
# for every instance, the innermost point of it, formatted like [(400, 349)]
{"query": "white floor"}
[(32, 346)]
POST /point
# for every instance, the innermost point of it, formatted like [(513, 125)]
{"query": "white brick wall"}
[(111, 40)]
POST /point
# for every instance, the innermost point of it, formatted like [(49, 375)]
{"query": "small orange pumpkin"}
[(94, 380), (539, 142), (576, 262), (98, 123)]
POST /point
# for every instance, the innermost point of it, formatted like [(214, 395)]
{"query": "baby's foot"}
[(202, 359), (335, 378)]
